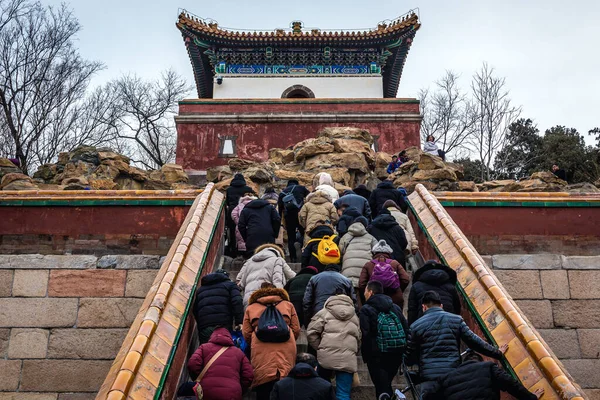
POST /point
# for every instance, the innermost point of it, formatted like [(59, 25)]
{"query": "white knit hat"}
[(382, 247)]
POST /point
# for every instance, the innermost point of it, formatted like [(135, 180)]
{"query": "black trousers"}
[(263, 392), (292, 225), (382, 370)]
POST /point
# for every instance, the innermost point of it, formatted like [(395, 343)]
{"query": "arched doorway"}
[(298, 92)]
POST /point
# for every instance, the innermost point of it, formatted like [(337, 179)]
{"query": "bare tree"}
[(495, 113), (447, 114), (145, 112), (42, 76)]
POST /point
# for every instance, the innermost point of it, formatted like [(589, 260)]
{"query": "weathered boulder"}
[(102, 184), (467, 186), (154, 182), (410, 185), (73, 170), (17, 181), (219, 173), (597, 183), (46, 172), (259, 174), (347, 160), (413, 153), (7, 167), (355, 146), (346, 133), (430, 162), (75, 183), (311, 147), (140, 175), (434, 175), (111, 155), (458, 169), (304, 178), (126, 183), (582, 188), (382, 159), (400, 179), (239, 164), (86, 154), (548, 177), (281, 156), (532, 185), (106, 172), (174, 173), (495, 186)]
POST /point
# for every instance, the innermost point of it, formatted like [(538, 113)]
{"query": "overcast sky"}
[(547, 50)]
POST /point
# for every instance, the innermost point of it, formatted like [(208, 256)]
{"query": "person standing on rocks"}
[(394, 165), (317, 208), (334, 332), (218, 302), (385, 191), (234, 192), (259, 224), (290, 210)]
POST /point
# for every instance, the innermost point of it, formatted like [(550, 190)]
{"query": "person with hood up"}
[(317, 208), (475, 379), (335, 333), (290, 213), (229, 376), (437, 277), (383, 366), (327, 185), (267, 265), (309, 257), (386, 191), (404, 222), (235, 216), (303, 382), (362, 191), (385, 227), (324, 285), (356, 250), (296, 288), (347, 216), (259, 224), (271, 361), (382, 255), (237, 188), (351, 199), (218, 302)]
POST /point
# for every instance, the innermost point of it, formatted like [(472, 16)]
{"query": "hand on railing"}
[(539, 392), (504, 348)]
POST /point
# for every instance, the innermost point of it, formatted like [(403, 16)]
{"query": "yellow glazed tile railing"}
[(530, 357)]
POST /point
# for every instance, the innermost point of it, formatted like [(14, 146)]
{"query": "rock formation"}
[(87, 167)]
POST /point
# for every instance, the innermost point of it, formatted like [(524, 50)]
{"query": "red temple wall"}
[(198, 142)]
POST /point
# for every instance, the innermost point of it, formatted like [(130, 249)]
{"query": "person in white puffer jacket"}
[(356, 247), (327, 185), (266, 265)]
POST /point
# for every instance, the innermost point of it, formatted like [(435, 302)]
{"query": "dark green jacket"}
[(296, 287)]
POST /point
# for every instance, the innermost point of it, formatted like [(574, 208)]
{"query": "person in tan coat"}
[(318, 207), (383, 253), (335, 333), (271, 361)]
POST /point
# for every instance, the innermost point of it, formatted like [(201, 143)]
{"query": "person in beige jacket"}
[(266, 265), (356, 247), (318, 207), (335, 333), (404, 222)]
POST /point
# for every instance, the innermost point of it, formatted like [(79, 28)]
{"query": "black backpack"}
[(290, 202), (272, 327)]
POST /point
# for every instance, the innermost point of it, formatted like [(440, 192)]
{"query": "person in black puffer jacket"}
[(237, 188), (437, 277), (386, 191), (349, 214), (383, 367), (385, 227), (259, 224), (303, 382), (434, 343), (475, 379), (218, 302), (319, 232), (296, 288)]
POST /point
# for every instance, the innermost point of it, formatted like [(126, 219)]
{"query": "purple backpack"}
[(385, 274)]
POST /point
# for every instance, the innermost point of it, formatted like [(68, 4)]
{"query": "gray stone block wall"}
[(560, 295), (63, 314)]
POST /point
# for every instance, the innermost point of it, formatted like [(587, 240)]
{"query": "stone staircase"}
[(366, 390)]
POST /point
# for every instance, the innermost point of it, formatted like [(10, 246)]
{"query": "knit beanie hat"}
[(382, 247)]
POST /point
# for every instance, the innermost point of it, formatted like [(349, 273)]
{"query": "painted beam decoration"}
[(297, 51)]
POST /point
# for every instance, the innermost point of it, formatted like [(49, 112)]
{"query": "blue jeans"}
[(343, 385)]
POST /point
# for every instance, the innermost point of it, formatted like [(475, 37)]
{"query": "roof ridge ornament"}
[(297, 27)]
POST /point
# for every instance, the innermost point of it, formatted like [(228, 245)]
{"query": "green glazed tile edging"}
[(550, 204), (94, 203)]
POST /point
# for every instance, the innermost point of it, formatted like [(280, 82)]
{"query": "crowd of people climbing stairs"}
[(356, 252)]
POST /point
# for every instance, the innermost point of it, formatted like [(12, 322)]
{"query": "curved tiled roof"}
[(530, 357), (384, 32)]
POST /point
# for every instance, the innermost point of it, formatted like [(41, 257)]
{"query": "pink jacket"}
[(235, 215)]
